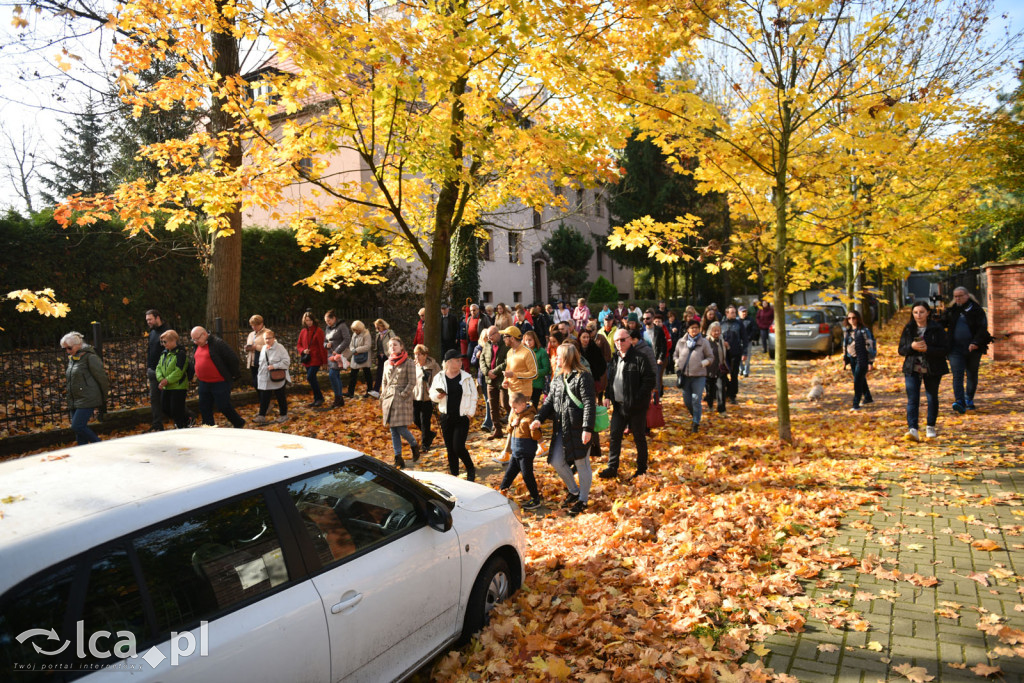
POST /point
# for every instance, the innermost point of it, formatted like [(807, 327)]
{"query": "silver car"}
[(810, 328)]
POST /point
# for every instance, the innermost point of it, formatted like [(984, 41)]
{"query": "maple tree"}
[(809, 80), (441, 114)]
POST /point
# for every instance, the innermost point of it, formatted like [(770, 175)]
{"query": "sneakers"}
[(260, 420), (570, 499), (971, 406), (608, 473), (373, 394), (912, 435), (930, 432), (867, 401), (281, 419), (502, 457), (533, 504), (959, 408), (577, 508)]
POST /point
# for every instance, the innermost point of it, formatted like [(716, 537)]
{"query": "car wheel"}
[(493, 585)]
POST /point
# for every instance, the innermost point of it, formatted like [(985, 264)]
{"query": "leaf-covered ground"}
[(685, 572)]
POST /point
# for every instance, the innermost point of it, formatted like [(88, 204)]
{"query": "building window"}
[(486, 248), (488, 297), (579, 198), (600, 258), (305, 165), (598, 206), (536, 219), (517, 297), (515, 247)]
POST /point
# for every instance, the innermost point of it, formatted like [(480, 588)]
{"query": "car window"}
[(206, 562), (39, 606), (804, 317), (350, 508), (113, 605)]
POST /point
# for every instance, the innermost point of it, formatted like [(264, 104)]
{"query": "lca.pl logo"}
[(98, 647)]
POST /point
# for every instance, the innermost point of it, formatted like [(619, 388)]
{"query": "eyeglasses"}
[(622, 340)]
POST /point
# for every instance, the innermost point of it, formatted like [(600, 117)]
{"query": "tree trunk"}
[(726, 231), (781, 377), (224, 281), (447, 208)]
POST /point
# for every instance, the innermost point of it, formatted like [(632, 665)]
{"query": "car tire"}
[(493, 584)]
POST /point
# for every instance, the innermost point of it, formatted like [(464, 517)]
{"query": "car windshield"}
[(805, 317)]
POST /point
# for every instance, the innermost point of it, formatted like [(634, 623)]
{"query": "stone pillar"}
[(1005, 306)]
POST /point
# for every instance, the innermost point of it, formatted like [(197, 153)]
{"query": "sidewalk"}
[(959, 522)]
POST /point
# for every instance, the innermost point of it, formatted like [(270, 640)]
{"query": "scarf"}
[(691, 342), (397, 359)]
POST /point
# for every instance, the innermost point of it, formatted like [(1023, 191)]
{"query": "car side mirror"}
[(439, 516)]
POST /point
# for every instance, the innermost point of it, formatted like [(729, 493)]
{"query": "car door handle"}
[(348, 601)]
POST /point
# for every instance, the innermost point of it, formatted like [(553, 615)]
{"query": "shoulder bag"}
[(601, 420)]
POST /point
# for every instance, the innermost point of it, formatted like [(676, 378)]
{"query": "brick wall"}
[(1005, 306)]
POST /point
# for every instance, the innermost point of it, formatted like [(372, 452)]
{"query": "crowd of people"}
[(584, 372)]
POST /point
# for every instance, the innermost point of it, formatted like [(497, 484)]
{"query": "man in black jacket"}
[(630, 384), (156, 328), (216, 365), (449, 329), (967, 332), (735, 335)]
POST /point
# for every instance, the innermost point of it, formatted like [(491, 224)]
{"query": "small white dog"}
[(817, 391)]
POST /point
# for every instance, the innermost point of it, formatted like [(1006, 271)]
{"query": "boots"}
[(415, 452), (399, 463)]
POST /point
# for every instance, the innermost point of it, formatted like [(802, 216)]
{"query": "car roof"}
[(59, 503)]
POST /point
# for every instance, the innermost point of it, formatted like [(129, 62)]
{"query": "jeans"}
[(523, 453), (745, 365), (155, 399), (693, 394), (455, 431), (861, 391), (637, 423), (337, 386), (964, 366), (397, 434), (487, 425), (354, 376), (716, 390), (422, 414), (282, 400), (556, 457), (314, 383), (80, 426), (172, 402), (219, 394), (764, 341), (931, 388)]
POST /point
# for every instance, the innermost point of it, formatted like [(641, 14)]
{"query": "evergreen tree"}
[(567, 249), (652, 188), (149, 127), (83, 158)]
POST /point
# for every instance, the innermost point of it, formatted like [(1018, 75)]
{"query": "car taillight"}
[(772, 328), (825, 328)]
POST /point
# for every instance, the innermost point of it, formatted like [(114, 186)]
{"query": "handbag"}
[(361, 357), (655, 416), (601, 420), (305, 357), (278, 374)]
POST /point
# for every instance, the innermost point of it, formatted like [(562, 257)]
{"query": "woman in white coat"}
[(360, 347), (273, 356), (454, 392)]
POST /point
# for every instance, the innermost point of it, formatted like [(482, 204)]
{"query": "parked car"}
[(212, 555), (809, 328), (836, 310)]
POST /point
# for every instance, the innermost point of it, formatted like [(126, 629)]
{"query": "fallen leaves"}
[(917, 674)]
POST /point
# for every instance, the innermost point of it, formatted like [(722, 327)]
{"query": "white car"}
[(236, 555)]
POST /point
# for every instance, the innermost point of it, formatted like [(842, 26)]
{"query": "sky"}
[(36, 97)]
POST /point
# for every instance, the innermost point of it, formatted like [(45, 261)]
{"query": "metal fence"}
[(33, 388)]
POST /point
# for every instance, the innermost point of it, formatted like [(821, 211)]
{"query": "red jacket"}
[(312, 338), (765, 317)]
